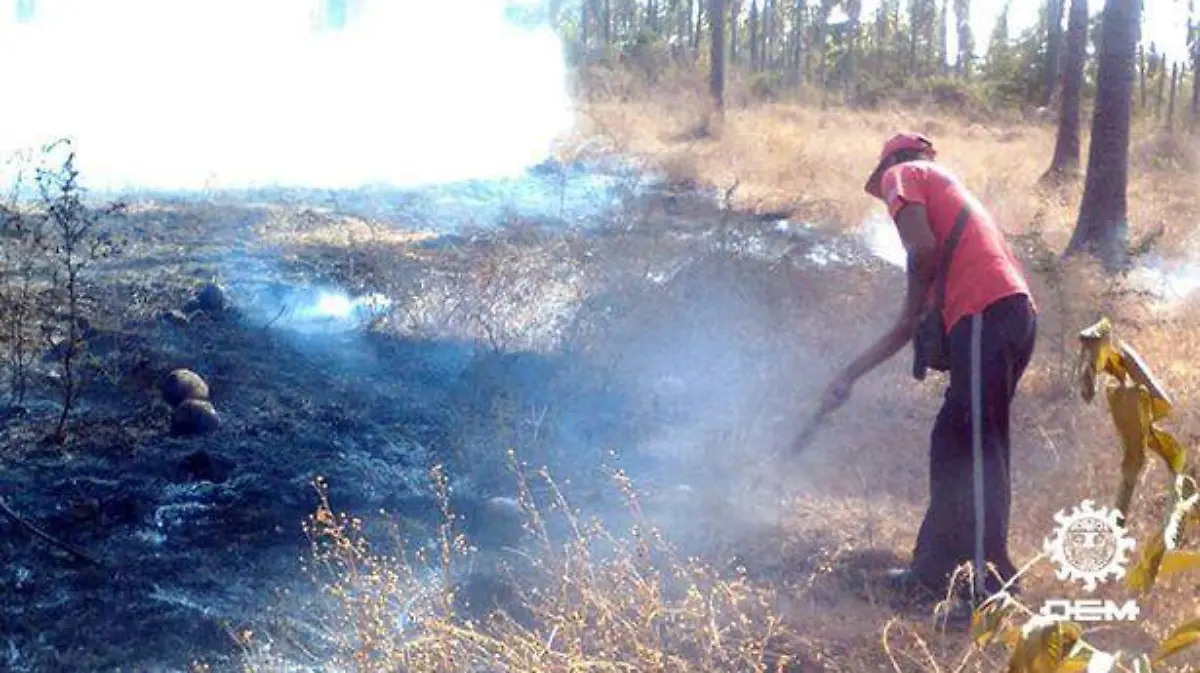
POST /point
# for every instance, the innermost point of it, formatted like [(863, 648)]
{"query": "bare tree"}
[(1102, 228), (1065, 164)]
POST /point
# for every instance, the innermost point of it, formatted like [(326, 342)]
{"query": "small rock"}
[(183, 384), (203, 466), (194, 417)]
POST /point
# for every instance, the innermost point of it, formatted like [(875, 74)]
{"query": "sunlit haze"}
[(1164, 21), (236, 93)]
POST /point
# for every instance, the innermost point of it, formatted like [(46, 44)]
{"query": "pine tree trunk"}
[(755, 52), (735, 11), (1194, 35), (685, 31), (1142, 77), (962, 19), (716, 82), (1053, 65), (584, 23), (1065, 164), (1196, 87), (1161, 71), (1171, 101), (607, 19), (768, 29), (1102, 228), (854, 11), (914, 29), (943, 37)]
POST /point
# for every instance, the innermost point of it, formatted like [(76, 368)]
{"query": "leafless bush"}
[(51, 240), (21, 261), (588, 598)]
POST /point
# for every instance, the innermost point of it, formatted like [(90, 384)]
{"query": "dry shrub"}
[(584, 599)]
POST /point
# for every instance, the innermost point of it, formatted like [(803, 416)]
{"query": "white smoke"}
[(195, 94)]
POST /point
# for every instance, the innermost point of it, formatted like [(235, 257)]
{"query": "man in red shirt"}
[(990, 321)]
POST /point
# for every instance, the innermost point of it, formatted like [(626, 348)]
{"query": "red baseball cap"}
[(898, 143)]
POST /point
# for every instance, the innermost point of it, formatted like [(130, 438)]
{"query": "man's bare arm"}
[(915, 232)]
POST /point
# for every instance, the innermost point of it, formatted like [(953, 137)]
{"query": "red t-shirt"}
[(983, 268)]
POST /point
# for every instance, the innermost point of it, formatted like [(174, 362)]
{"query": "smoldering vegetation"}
[(661, 341)]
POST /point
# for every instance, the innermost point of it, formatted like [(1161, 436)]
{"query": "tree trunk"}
[(914, 29), (966, 47), (1065, 164), (685, 31), (1194, 37), (1161, 71), (716, 80), (755, 52), (1102, 228), (1142, 77), (584, 22), (607, 19), (768, 30), (854, 11), (1171, 100), (1053, 65), (1196, 85), (735, 11)]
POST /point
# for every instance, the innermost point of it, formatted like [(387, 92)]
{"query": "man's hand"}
[(836, 393)]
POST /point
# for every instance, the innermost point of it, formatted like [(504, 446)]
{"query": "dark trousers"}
[(989, 353)]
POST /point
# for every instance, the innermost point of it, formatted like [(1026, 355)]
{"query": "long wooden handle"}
[(809, 432)]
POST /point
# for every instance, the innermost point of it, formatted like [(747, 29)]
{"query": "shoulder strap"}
[(960, 223)]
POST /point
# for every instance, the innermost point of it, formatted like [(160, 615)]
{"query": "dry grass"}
[(812, 163)]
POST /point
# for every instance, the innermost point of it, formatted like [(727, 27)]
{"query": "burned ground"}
[(573, 346)]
